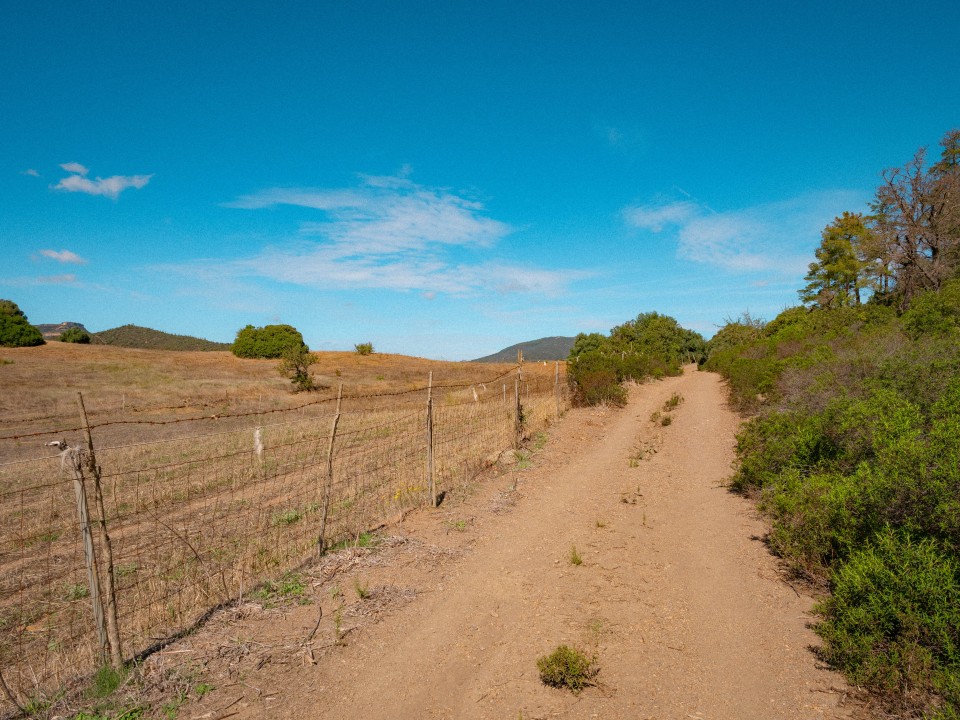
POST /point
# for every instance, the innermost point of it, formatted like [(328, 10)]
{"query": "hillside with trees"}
[(134, 336), (852, 449)]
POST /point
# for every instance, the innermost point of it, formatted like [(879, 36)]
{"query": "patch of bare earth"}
[(677, 597)]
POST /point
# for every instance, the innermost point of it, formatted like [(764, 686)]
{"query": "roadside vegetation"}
[(652, 345), (853, 449)]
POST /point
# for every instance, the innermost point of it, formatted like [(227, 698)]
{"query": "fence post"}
[(518, 411), (113, 627), (89, 553), (556, 386), (328, 484), (431, 480)]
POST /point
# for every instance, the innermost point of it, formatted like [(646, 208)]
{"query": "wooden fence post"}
[(328, 484), (90, 555), (556, 386), (431, 480), (518, 412), (113, 627)]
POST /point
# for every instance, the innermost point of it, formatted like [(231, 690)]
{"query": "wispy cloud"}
[(64, 256), (391, 233), (777, 236), (31, 172), (110, 187), (65, 279)]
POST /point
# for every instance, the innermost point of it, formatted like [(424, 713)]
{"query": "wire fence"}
[(108, 552)]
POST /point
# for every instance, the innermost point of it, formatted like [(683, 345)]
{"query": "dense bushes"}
[(652, 345), (854, 455), (15, 329), (75, 335), (266, 342)]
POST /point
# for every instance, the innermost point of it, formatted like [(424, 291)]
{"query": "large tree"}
[(843, 261), (15, 329), (917, 219)]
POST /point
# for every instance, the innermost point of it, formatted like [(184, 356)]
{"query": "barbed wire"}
[(259, 412)]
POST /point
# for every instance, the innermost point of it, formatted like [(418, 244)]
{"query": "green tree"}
[(838, 275), (266, 342), (15, 329), (295, 364), (75, 335)]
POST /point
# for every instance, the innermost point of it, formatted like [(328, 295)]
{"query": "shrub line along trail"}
[(677, 595)]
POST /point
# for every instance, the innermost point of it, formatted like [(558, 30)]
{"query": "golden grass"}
[(196, 516)]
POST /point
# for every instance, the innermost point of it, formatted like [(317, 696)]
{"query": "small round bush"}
[(568, 668)]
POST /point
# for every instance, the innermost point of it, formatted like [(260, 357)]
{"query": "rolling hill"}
[(134, 336), (549, 348)]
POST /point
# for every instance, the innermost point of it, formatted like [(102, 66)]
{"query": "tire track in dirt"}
[(677, 596)]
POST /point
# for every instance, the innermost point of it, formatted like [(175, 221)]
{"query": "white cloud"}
[(31, 172), (390, 233), (777, 236), (76, 168), (64, 256), (656, 216), (110, 187), (67, 279)]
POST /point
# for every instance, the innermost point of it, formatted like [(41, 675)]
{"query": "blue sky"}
[(444, 179)]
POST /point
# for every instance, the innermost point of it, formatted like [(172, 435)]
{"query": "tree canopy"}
[(269, 341), (15, 329)]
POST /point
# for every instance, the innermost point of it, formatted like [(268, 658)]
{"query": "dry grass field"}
[(214, 478)]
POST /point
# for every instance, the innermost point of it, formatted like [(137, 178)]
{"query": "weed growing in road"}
[(575, 558), (673, 402), (458, 525), (567, 667), (601, 524), (655, 416), (666, 420), (523, 459)]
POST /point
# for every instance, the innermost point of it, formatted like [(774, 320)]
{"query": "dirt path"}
[(677, 596)]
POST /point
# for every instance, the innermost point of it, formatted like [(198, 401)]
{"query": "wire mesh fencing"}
[(107, 551)]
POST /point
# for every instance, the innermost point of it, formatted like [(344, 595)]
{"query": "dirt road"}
[(676, 596)]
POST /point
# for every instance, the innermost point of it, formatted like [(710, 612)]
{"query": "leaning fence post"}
[(113, 627), (89, 553), (328, 484), (431, 480)]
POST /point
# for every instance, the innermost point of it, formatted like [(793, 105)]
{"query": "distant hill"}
[(134, 336), (53, 332), (548, 348)]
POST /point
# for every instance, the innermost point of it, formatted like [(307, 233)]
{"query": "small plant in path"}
[(575, 558), (567, 667)]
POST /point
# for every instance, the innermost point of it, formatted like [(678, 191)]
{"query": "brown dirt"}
[(677, 596)]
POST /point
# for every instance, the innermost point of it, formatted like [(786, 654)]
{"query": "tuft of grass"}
[(567, 667), (673, 402), (288, 587), (458, 525), (363, 591), (539, 440), (523, 459), (201, 689), (105, 681), (655, 416), (575, 558), (601, 523), (666, 420)]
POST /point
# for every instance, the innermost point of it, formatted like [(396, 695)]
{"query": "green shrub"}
[(364, 348), (295, 364), (270, 341), (15, 329), (893, 620), (595, 380), (568, 668), (75, 335)]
